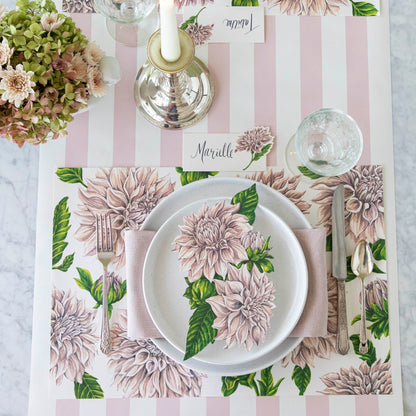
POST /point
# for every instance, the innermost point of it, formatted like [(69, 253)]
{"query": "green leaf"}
[(246, 3), (329, 242), (377, 269), (188, 177), (198, 291), (70, 175), (267, 386), (387, 358), (200, 332), (85, 279), (308, 173), (356, 319), (229, 385), (370, 357), (380, 319), (89, 389), (192, 19), (263, 151), (363, 8), (60, 230), (350, 274), (248, 200), (302, 378), (379, 249), (66, 264)]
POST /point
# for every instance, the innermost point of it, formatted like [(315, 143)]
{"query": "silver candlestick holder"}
[(173, 95)]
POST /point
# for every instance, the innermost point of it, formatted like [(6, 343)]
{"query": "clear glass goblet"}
[(328, 142), (130, 22)]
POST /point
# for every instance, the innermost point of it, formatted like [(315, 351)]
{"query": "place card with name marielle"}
[(227, 152), (229, 24)]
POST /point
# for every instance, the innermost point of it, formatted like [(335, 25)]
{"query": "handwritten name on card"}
[(223, 152), (230, 24)]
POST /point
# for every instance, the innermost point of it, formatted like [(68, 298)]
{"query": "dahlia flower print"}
[(210, 240), (141, 370), (376, 294), (73, 337), (364, 205), (257, 142), (128, 195), (286, 185), (374, 379), (200, 34), (78, 6), (243, 307), (182, 3), (309, 7)]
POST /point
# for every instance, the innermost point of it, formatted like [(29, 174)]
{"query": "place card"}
[(227, 152), (229, 24)]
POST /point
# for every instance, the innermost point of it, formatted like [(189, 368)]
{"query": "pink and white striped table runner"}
[(306, 63)]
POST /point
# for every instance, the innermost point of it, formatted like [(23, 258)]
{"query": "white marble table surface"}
[(18, 190)]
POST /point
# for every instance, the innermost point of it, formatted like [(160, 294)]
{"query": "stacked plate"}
[(164, 283)]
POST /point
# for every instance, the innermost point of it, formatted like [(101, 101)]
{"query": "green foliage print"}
[(302, 378), (265, 386), (371, 356), (89, 388), (362, 8), (61, 227), (189, 177), (116, 292), (70, 175)]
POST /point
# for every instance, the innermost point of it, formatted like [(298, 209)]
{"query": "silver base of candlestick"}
[(173, 95)]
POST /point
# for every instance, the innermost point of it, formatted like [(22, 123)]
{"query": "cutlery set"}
[(362, 266)]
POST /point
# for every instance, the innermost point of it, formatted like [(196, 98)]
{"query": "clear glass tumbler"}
[(328, 142)]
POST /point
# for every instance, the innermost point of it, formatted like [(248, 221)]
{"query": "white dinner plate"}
[(164, 285), (223, 188)]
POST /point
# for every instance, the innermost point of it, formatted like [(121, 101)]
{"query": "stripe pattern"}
[(224, 406), (305, 64)]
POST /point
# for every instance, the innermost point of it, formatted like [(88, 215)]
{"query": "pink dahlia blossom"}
[(243, 307), (309, 7), (375, 293), (321, 347), (73, 338), (200, 34), (210, 241), (287, 186), (252, 239), (181, 3), (127, 195), (142, 370), (364, 205), (253, 140), (361, 381)]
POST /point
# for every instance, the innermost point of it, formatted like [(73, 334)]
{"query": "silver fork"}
[(105, 253)]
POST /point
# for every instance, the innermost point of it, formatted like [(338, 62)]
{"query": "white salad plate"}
[(164, 284)]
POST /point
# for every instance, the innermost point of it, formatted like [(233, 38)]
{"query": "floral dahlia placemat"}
[(137, 368), (284, 7)]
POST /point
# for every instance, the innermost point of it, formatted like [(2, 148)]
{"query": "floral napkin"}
[(136, 368)]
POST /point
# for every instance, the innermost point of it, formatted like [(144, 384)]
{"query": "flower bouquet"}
[(48, 72)]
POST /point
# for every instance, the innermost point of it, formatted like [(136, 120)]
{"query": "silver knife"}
[(339, 266)]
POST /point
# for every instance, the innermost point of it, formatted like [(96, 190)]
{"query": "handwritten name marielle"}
[(203, 151)]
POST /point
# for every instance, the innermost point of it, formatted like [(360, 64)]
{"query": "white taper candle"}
[(170, 48)]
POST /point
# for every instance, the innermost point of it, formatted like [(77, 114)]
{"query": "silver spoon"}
[(362, 263)]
